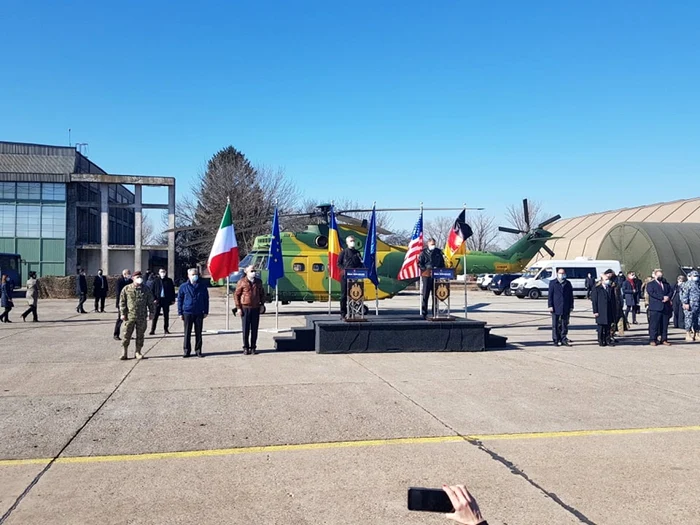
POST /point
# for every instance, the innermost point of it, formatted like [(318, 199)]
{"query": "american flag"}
[(409, 268)]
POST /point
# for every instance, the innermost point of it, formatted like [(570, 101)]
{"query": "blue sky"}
[(584, 106)]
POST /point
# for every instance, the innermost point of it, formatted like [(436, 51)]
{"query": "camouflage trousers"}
[(130, 325), (692, 320)]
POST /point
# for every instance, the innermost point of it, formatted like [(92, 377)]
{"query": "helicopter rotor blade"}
[(510, 230), (526, 214), (548, 250), (367, 210), (549, 221)]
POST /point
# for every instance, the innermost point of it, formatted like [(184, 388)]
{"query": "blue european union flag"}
[(370, 255), (275, 263)]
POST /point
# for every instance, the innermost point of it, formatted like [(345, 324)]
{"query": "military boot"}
[(689, 336), (139, 355), (695, 334), (124, 356)]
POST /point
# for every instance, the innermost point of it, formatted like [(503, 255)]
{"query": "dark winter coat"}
[(561, 296), (430, 259), (631, 293), (81, 285), (121, 283), (100, 286), (657, 291), (167, 286), (193, 299), (350, 258), (6, 295), (590, 283), (604, 302)]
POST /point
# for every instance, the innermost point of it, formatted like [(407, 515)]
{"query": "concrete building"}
[(582, 236), (60, 211)]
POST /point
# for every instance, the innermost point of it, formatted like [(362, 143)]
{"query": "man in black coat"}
[(590, 284), (561, 303), (677, 304), (430, 258), (100, 288), (348, 259), (604, 306), (659, 292), (630, 291), (121, 283), (164, 293), (81, 291)]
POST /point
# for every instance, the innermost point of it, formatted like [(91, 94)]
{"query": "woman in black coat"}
[(678, 316), (605, 310)]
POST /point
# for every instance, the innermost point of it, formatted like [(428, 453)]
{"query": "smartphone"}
[(429, 500)]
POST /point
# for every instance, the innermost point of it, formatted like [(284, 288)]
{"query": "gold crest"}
[(356, 292), (442, 292)]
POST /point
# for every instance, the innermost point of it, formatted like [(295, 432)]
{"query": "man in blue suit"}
[(659, 292), (561, 303)]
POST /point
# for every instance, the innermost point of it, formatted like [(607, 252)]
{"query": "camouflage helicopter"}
[(305, 256)]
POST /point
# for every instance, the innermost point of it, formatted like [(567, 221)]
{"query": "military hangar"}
[(672, 228)]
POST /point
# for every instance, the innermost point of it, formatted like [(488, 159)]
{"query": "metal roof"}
[(30, 162), (582, 236)]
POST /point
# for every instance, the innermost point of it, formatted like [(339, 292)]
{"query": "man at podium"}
[(430, 258)]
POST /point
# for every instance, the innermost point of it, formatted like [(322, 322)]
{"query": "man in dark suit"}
[(659, 292), (561, 303), (604, 308), (430, 258), (81, 291), (99, 290), (590, 284), (164, 294), (349, 258), (121, 283)]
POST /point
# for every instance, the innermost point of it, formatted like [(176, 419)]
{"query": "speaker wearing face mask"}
[(193, 308), (100, 288), (164, 295), (561, 302), (348, 259), (431, 257), (250, 300)]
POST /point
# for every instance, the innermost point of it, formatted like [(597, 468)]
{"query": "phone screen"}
[(429, 500)]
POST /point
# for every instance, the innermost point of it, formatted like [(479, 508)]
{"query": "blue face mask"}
[(194, 278)]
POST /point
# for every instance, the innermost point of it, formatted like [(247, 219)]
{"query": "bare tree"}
[(149, 237), (484, 232), (398, 238), (438, 228), (515, 215)]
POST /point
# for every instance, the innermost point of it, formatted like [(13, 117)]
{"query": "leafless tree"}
[(438, 228), (398, 238), (484, 232), (149, 237), (515, 215)]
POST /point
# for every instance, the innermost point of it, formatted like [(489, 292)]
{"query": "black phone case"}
[(429, 500)]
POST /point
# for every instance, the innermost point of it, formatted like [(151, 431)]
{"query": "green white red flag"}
[(223, 259)]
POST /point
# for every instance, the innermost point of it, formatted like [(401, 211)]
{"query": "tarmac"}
[(540, 434)]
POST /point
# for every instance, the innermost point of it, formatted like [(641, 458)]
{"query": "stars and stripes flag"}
[(409, 268)]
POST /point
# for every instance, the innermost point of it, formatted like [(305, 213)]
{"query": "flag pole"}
[(277, 284), (464, 266), (330, 281), (228, 284), (420, 277), (376, 286)]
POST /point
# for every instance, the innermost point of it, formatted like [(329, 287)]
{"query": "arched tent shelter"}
[(643, 246)]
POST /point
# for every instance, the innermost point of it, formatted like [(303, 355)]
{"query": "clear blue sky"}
[(585, 106)]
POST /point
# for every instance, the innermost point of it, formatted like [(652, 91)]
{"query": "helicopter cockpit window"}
[(247, 261), (318, 267), (260, 262), (298, 267)]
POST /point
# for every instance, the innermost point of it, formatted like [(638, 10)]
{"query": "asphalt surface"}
[(540, 434)]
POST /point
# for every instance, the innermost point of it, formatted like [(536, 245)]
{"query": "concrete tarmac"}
[(540, 434)]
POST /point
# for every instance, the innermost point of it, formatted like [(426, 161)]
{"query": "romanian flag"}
[(333, 247), (456, 241)]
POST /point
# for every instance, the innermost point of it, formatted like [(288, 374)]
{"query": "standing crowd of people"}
[(616, 298)]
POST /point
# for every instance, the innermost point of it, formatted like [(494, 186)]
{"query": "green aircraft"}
[(305, 256)]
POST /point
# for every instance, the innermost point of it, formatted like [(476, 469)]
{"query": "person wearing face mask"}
[(193, 308), (250, 300), (604, 308), (659, 309), (100, 288), (677, 304), (163, 290), (690, 297), (123, 281), (81, 290), (348, 259), (630, 291), (431, 257), (136, 307), (561, 303)]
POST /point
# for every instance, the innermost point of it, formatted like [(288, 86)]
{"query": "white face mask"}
[(694, 279), (606, 281), (431, 247), (127, 276), (251, 276), (162, 274), (138, 280), (561, 276), (351, 244)]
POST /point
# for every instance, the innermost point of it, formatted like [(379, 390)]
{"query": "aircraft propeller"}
[(532, 233)]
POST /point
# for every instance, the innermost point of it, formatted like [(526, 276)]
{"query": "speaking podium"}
[(441, 293), (355, 278)]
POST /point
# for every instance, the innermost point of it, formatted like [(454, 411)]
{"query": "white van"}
[(537, 285)]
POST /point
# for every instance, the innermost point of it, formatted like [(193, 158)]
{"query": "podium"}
[(441, 293), (355, 278)]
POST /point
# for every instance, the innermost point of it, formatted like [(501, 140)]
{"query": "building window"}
[(7, 191), (28, 221), (53, 222), (28, 191), (7, 220), (53, 192)]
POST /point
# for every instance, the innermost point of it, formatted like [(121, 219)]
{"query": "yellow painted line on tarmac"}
[(344, 444)]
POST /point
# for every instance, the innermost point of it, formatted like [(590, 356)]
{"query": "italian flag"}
[(223, 259)]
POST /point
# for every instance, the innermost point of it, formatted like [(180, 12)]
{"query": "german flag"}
[(333, 247), (459, 233)]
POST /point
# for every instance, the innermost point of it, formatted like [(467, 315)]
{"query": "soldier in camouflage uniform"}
[(690, 297), (136, 305)]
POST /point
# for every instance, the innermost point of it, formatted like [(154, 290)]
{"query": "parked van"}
[(537, 285)]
